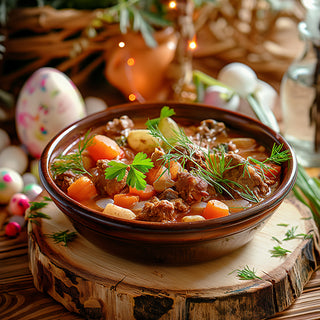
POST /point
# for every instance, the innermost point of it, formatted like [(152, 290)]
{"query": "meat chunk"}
[(207, 132), (191, 188), (247, 177), (157, 211), (156, 157), (64, 180), (119, 127), (197, 156), (106, 186), (169, 194)]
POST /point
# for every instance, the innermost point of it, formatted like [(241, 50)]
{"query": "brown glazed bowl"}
[(169, 243)]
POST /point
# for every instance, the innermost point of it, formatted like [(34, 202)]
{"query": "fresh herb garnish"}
[(211, 170), (246, 274), (63, 236), (164, 113), (136, 174), (291, 234), (277, 156), (278, 251), (276, 239), (34, 210), (72, 161)]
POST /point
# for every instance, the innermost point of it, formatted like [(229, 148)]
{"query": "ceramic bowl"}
[(173, 243)]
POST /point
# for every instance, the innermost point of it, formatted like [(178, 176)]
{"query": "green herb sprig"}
[(291, 234), (72, 161), (279, 251), (246, 273), (136, 174), (34, 212), (65, 236), (214, 170)]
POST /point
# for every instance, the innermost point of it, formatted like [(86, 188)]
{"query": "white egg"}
[(15, 158), (239, 77), (47, 103), (94, 105), (4, 139)]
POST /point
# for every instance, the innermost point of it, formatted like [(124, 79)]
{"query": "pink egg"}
[(18, 204), (12, 229)]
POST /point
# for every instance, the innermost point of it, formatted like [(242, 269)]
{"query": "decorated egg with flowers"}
[(47, 103)]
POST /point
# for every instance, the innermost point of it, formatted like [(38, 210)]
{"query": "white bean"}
[(119, 212), (192, 218)]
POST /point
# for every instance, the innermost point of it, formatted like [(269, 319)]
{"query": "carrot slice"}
[(271, 171), (153, 174), (82, 189), (145, 194), (215, 209), (125, 200), (102, 147)]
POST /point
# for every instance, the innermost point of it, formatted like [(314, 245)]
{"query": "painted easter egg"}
[(18, 204), (10, 183), (47, 103)]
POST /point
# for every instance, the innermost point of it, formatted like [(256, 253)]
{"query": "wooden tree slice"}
[(97, 284)]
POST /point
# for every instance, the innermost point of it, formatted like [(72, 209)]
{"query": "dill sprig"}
[(213, 171), (34, 210), (72, 161), (279, 251), (65, 236), (246, 273)]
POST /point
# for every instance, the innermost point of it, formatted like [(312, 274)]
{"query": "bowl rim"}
[(270, 201)]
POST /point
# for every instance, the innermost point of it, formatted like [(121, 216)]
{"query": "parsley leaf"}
[(136, 174)]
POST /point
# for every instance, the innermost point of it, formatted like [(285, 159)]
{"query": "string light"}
[(192, 44), (131, 62), (121, 44), (172, 4), (132, 97)]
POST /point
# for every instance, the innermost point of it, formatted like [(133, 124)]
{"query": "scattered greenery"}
[(34, 208), (291, 234), (279, 251), (246, 273), (63, 236)]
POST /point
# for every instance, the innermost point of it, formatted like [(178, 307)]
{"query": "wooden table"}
[(19, 299)]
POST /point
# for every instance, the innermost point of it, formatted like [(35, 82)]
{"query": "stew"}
[(161, 170)]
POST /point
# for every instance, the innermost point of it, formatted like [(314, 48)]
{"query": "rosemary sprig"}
[(34, 210), (279, 251), (65, 236), (291, 234), (246, 273), (72, 161)]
